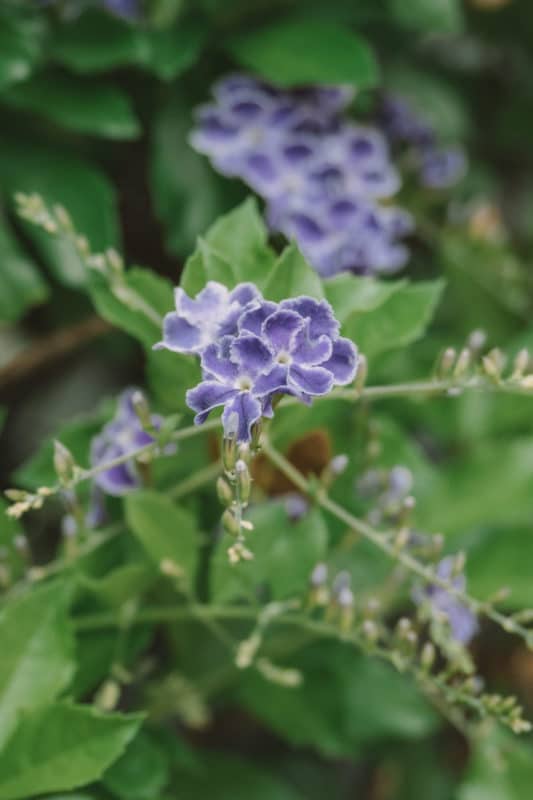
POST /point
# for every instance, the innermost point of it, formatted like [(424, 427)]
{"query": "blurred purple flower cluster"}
[(437, 167), (462, 621), (322, 177), (127, 9), (123, 435), (252, 349)]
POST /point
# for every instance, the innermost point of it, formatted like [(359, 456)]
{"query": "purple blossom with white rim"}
[(120, 437), (441, 168), (199, 321), (463, 622), (321, 176), (292, 347)]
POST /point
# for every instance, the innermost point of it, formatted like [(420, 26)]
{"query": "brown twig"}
[(51, 349)]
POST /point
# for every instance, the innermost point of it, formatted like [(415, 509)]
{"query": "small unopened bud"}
[(459, 562), (64, 463), (493, 364), (427, 656), (521, 363), (114, 260), (477, 340), (338, 464), (16, 495), (255, 442), (370, 630), (319, 575), (362, 373), (462, 363), (224, 492), (63, 218), (229, 453), (341, 581), (230, 523), (283, 676), (247, 650), (108, 695), (142, 408), (447, 360), (244, 481), (437, 543), (527, 382)]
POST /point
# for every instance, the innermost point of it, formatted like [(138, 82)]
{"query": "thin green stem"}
[(387, 546)]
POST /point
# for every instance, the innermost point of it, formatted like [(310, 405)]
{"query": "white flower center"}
[(283, 357), (244, 384)]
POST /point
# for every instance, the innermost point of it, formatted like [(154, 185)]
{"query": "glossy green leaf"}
[(37, 653), (346, 702), (166, 531), (22, 284), (141, 773), (307, 51), (402, 319), (98, 42), (74, 183), (292, 275), (284, 554), (241, 238), (436, 16), (22, 35), (501, 768), (124, 308), (169, 375), (187, 193), (350, 293), (62, 747), (83, 106)]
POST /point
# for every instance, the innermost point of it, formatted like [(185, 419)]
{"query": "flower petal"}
[(251, 354), (280, 329), (318, 312), (216, 361), (343, 362), (207, 396), (244, 293), (311, 352), (272, 382), (179, 335), (310, 380), (239, 416), (252, 320)]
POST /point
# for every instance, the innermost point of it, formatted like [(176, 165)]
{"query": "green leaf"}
[(165, 530), (436, 16), (400, 320), (62, 747), (97, 42), (291, 276), (187, 193), (501, 769), (206, 264), (141, 773), (21, 43), (22, 283), (349, 293), (37, 653), (241, 238), (284, 554), (501, 558), (169, 375), (227, 777), (78, 186), (144, 287), (80, 105), (346, 702), (120, 584), (307, 51)]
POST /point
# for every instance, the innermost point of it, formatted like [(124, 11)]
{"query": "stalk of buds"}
[(234, 489)]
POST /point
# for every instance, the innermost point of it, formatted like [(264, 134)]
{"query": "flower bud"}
[(230, 523), (338, 464), (224, 492), (446, 362), (64, 463), (427, 656), (243, 481), (462, 363), (362, 373), (229, 453), (493, 364), (141, 408), (476, 340), (319, 575), (521, 363)]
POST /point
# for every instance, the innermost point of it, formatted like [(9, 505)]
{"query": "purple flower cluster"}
[(123, 435), (438, 167), (462, 621), (127, 9), (252, 349), (322, 177)]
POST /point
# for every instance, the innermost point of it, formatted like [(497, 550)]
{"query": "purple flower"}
[(197, 322), (321, 176), (462, 621), (438, 168), (292, 347), (123, 435), (127, 9)]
